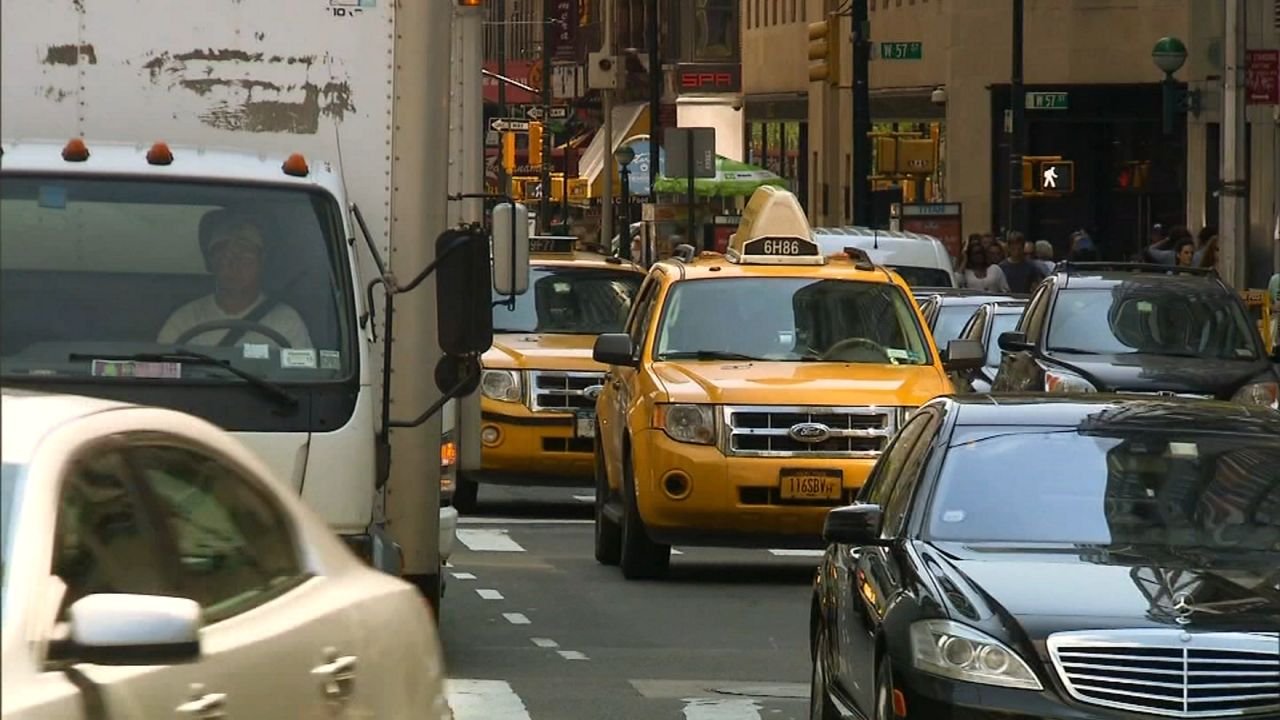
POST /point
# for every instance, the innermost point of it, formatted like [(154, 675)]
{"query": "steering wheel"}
[(231, 324), (857, 350)]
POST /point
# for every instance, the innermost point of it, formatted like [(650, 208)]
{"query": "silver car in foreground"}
[(154, 569)]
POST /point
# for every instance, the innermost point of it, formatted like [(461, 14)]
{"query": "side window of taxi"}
[(103, 541), (646, 301), (880, 485), (233, 545)]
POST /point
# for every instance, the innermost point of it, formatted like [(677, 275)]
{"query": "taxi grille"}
[(559, 391), (765, 431), (1167, 673)]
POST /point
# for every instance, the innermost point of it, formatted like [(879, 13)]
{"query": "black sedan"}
[(1033, 557)]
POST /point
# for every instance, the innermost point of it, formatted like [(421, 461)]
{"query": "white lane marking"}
[(488, 594), (484, 700), (676, 552), (545, 642), (585, 498), (705, 709), (464, 576), (797, 553), (516, 618), (720, 689), (488, 541), (521, 521), (572, 655)]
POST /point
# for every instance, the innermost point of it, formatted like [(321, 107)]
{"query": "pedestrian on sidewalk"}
[(980, 273), (1021, 274)]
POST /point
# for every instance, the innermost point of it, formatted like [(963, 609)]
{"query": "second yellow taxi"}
[(751, 392)]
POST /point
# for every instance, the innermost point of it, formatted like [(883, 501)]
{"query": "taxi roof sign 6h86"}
[(774, 231)]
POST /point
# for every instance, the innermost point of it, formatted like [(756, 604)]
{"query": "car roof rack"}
[(684, 253), (1072, 266)]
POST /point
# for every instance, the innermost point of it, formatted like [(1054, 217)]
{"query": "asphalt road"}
[(535, 629)]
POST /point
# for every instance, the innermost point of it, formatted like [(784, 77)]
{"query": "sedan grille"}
[(1171, 673), (558, 391), (842, 432)]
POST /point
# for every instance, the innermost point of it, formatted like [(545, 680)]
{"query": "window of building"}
[(716, 29)]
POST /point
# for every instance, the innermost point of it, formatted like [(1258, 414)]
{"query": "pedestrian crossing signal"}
[(1056, 177)]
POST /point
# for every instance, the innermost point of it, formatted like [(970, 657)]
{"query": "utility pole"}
[(655, 111), (860, 184), (1233, 236), (504, 187), (606, 201), (544, 204), (1017, 127)]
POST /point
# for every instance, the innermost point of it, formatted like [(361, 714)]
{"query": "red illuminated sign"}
[(710, 78)]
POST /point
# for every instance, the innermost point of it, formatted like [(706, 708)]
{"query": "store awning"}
[(628, 120)]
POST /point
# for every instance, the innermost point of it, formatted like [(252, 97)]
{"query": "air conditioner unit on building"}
[(602, 71)]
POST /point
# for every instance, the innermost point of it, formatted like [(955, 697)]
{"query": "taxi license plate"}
[(584, 425), (812, 484)]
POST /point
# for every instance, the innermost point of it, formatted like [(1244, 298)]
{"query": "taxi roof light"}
[(774, 231), (160, 154), (296, 166), (75, 150)]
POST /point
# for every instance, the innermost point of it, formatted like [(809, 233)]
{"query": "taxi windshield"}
[(108, 278), (569, 301), (791, 319)]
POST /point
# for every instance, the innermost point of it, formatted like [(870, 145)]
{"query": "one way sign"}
[(508, 125)]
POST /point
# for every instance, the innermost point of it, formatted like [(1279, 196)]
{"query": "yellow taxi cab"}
[(751, 392), (539, 385)]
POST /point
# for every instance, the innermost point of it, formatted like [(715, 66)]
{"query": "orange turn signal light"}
[(160, 154), (296, 166), (75, 151)]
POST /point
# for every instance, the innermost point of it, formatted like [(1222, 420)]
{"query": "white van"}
[(921, 260)]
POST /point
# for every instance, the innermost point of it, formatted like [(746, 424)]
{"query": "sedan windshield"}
[(1179, 319), (1184, 489), (797, 319), (569, 301)]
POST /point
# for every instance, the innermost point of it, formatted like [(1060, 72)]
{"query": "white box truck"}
[(202, 204)]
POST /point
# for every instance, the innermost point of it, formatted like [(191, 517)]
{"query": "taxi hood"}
[(544, 351), (797, 383)]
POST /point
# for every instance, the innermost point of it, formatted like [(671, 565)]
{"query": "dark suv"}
[(1137, 328)]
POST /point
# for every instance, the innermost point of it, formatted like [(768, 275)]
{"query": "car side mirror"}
[(857, 524), (464, 302), (119, 629), (511, 249), (615, 349), (964, 355), (1014, 342)]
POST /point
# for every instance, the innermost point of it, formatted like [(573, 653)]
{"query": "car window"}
[(973, 329), (640, 319), (951, 321), (234, 545), (102, 542), (1033, 317), (1000, 323), (880, 485), (568, 300), (895, 511)]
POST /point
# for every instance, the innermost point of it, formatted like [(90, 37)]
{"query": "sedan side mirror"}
[(1014, 342), (118, 629), (964, 355), (857, 524), (615, 349)]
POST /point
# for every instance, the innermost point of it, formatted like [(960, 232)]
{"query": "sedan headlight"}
[(1064, 382), (502, 385), (949, 649), (1265, 393), (687, 423)]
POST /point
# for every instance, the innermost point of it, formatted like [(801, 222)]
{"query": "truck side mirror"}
[(510, 249), (464, 302)]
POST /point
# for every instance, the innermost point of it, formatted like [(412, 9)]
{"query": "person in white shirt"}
[(237, 312), (980, 273)]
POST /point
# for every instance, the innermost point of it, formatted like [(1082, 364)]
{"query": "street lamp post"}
[(623, 156), (1168, 55)]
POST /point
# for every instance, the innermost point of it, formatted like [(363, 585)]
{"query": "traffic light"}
[(509, 152), (535, 144), (824, 50), (1132, 175)]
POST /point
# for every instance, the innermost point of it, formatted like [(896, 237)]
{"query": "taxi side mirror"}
[(615, 349), (963, 355)]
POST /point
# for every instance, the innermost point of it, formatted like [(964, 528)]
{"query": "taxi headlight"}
[(1265, 393), (1065, 382), (959, 652), (502, 385), (687, 423)]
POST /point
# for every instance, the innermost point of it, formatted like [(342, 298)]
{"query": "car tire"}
[(641, 558), (608, 533), (465, 495), (884, 689), (820, 705)]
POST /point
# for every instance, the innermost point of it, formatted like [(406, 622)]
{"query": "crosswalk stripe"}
[(545, 642), (735, 709), (573, 655), (484, 700), (796, 553), (488, 541), (463, 576), (516, 618), (488, 594)]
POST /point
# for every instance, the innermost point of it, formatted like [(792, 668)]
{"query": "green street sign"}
[(1046, 101), (901, 50)]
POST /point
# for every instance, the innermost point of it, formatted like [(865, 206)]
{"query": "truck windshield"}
[(105, 277), (791, 319), (570, 301)]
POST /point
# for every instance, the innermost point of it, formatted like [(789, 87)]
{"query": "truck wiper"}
[(181, 355), (708, 355)]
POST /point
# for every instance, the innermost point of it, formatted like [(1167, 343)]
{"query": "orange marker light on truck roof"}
[(160, 154), (75, 151), (296, 166)]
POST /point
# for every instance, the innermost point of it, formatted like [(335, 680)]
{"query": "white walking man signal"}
[(1050, 177)]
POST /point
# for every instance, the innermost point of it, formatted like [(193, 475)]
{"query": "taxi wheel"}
[(641, 558), (465, 494), (608, 534)]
